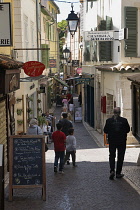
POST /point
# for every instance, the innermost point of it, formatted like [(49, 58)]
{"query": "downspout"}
[(37, 29)]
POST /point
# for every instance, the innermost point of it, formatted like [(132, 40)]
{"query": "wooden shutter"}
[(87, 51), (45, 57), (131, 18), (105, 47)]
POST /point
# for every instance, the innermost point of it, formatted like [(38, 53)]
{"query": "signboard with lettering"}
[(52, 63), (5, 25), (82, 80), (27, 163), (77, 114), (106, 35), (33, 68), (99, 35), (75, 63), (123, 33)]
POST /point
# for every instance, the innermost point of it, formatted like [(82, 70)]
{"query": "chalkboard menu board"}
[(27, 161)]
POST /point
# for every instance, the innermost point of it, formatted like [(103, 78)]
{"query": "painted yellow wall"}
[(54, 42), (8, 50)]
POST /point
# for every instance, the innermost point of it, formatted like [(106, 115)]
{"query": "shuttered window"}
[(105, 53), (131, 19), (45, 56), (87, 51)]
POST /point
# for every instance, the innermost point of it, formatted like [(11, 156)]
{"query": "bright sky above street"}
[(65, 8)]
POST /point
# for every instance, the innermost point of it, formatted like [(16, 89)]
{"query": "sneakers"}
[(112, 174), (55, 169), (119, 176), (61, 172)]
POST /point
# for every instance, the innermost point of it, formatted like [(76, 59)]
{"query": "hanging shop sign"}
[(5, 25), (79, 70), (99, 35), (9, 80), (33, 68), (83, 79), (52, 63), (75, 63), (106, 35)]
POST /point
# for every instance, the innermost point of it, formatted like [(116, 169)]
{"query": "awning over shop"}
[(8, 63), (30, 79), (61, 81), (119, 67), (72, 78), (135, 78)]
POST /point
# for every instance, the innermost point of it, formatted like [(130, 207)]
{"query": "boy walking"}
[(59, 139), (71, 147)]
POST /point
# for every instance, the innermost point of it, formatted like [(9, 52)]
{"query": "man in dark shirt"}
[(66, 125), (116, 128)]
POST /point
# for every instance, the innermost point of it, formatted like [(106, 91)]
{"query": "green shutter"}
[(45, 55), (131, 18), (87, 51), (105, 47)]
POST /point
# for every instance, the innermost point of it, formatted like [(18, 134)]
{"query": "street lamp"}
[(66, 53), (72, 22)]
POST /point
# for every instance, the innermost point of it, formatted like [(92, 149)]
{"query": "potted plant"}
[(41, 120), (38, 100), (19, 111), (29, 110), (39, 109), (30, 99), (19, 122)]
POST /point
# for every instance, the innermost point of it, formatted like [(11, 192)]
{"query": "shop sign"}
[(99, 35), (33, 68), (75, 63), (52, 63), (79, 70), (5, 25), (9, 81)]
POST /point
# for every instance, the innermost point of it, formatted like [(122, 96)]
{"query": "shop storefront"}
[(9, 83), (135, 105)]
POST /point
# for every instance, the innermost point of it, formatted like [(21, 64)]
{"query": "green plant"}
[(29, 110), (38, 100), (19, 122), (41, 120), (30, 98), (19, 111), (39, 109)]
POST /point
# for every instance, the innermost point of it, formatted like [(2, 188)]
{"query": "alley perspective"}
[(87, 186)]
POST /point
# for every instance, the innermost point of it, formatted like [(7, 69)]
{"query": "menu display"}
[(27, 161)]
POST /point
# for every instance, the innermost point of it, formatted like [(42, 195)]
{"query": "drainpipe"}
[(37, 27)]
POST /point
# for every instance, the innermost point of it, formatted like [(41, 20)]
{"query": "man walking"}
[(117, 128), (66, 125)]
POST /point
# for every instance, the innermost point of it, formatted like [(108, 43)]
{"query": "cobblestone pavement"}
[(86, 187)]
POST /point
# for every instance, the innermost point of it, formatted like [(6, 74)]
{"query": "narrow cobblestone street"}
[(81, 188)]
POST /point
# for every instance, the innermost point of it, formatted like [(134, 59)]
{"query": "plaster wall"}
[(22, 12), (117, 85)]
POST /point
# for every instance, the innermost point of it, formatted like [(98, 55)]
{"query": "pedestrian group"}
[(116, 129)]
